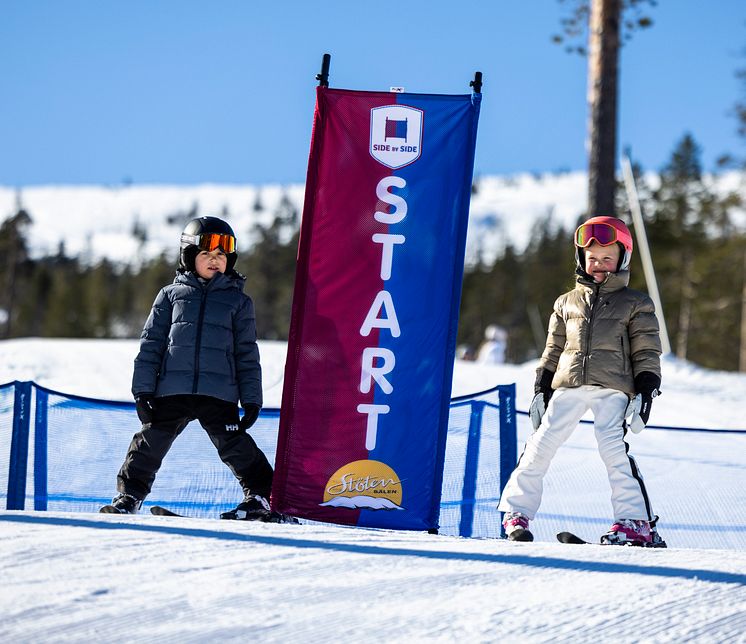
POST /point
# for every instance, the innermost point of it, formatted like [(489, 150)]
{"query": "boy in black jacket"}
[(198, 357)]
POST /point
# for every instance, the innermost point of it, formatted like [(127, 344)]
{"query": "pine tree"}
[(690, 236), (269, 267), (13, 257)]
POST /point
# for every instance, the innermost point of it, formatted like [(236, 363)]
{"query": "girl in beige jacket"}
[(603, 354)]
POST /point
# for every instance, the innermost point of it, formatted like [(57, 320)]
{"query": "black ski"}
[(160, 511), (272, 517), (109, 509), (521, 534), (569, 537)]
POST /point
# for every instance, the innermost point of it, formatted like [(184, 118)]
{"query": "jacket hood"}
[(613, 282), (232, 279)]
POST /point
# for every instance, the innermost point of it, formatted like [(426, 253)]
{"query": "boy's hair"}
[(605, 231), (207, 233)]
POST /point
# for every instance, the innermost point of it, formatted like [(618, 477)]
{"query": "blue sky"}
[(167, 91)]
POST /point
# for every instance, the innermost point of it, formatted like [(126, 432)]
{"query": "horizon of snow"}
[(97, 222)]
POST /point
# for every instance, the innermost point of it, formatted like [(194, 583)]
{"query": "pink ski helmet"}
[(605, 231)]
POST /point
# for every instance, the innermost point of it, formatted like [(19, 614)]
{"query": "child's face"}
[(207, 264), (601, 260)]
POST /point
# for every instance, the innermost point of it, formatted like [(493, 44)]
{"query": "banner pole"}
[(323, 76), (477, 83)]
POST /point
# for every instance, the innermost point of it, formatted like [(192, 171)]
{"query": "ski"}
[(160, 511), (109, 509), (521, 534), (272, 517), (278, 517), (569, 537)]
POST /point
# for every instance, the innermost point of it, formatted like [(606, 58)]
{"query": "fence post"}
[(19, 447), (508, 437), (40, 450), (471, 466)]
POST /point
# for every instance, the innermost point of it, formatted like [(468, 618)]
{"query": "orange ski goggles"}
[(211, 241)]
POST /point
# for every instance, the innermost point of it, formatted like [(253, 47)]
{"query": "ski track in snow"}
[(110, 578)]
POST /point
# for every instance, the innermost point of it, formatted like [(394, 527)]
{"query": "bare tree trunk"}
[(603, 71)]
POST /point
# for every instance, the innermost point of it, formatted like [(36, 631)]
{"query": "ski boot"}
[(656, 541), (122, 504), (516, 527), (628, 532), (253, 508)]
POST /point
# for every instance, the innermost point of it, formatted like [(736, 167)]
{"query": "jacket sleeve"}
[(555, 338), (644, 339), (153, 344), (248, 367)]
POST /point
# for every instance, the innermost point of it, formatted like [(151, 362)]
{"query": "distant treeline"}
[(698, 251)]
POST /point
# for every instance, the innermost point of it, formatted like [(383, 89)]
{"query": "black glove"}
[(250, 414), (646, 385), (543, 384), (145, 406)]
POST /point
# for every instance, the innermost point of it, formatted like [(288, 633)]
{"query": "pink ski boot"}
[(628, 532), (516, 527)]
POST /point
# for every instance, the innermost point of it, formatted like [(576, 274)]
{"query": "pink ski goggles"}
[(586, 234)]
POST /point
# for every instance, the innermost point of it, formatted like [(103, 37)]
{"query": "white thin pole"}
[(642, 244)]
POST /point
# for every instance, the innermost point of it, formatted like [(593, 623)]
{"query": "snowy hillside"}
[(87, 577), (692, 396), (99, 221)]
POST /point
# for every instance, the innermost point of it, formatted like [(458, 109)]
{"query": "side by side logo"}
[(395, 135)]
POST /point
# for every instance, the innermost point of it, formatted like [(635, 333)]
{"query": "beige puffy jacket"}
[(602, 334)]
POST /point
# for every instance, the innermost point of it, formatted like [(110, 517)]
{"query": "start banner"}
[(375, 309)]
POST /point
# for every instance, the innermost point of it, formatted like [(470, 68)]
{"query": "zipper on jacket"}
[(589, 335), (198, 340)]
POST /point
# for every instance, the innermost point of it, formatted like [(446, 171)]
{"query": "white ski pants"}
[(629, 498)]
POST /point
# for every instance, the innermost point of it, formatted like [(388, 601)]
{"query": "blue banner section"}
[(427, 246)]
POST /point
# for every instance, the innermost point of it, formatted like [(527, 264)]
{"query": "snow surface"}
[(88, 577)]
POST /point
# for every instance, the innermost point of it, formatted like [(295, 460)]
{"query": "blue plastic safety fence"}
[(62, 453), (68, 457)]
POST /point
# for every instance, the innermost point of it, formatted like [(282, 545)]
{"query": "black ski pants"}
[(219, 418)]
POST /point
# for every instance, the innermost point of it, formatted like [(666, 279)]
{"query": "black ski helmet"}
[(207, 233)]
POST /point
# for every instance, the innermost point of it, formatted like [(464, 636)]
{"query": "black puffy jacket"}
[(200, 338)]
